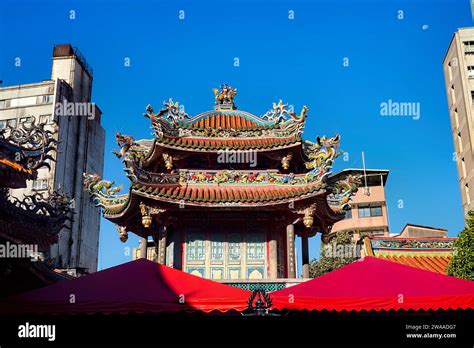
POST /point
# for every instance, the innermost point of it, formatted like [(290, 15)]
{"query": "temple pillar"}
[(273, 262), (162, 246), (305, 255), (290, 250), (143, 248)]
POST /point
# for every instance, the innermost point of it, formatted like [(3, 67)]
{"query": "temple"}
[(30, 226), (224, 193)]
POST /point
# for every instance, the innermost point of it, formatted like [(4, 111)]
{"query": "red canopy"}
[(374, 284), (137, 286)]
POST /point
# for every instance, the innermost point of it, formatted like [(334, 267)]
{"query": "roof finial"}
[(225, 97)]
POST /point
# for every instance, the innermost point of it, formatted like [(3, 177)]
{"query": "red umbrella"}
[(138, 286), (374, 284)]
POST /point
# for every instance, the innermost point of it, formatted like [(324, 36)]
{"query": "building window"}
[(372, 233), (456, 117), (348, 214), (2, 104), (460, 143), (217, 248), (463, 166), (233, 246), (46, 119), (468, 46), (256, 246), (26, 119), (195, 247), (40, 184), (468, 195), (12, 122), (450, 71), (368, 211), (46, 99), (470, 72)]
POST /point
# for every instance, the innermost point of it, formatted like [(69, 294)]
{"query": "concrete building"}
[(419, 231), (66, 99), (458, 66), (368, 214)]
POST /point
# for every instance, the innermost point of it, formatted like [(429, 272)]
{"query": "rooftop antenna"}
[(366, 188)]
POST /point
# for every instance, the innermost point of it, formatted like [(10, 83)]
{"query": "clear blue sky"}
[(300, 61)]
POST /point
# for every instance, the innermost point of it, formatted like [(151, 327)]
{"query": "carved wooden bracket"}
[(147, 212), (308, 214), (168, 161), (285, 161), (123, 234)]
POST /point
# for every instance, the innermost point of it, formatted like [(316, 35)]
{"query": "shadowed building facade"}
[(66, 100)]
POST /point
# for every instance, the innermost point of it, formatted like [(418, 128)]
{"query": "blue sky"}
[(299, 61)]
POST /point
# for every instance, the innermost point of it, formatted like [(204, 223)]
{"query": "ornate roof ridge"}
[(173, 121)]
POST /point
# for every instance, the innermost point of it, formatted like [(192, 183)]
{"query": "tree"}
[(339, 252), (462, 262)]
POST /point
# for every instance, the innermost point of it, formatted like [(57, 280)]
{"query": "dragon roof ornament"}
[(30, 144), (343, 190), (103, 192)]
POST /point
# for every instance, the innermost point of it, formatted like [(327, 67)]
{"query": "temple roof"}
[(226, 126), (23, 150), (430, 254), (182, 166)]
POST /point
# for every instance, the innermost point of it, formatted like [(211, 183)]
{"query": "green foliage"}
[(462, 262), (337, 253)]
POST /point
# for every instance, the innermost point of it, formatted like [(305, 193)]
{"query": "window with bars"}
[(368, 211), (40, 184), (26, 119), (195, 246), (217, 247), (256, 246), (470, 72), (46, 119), (233, 246), (11, 122)]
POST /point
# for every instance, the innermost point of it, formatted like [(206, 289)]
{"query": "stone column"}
[(273, 257), (162, 246), (305, 255), (143, 248), (290, 250)]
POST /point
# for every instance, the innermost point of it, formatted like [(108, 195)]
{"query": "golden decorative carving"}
[(308, 214), (168, 161), (123, 234), (285, 161), (147, 212)]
